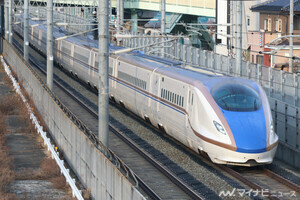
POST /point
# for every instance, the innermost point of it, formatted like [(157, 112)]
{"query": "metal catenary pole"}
[(239, 38), (122, 12), (163, 23), (1, 25), (10, 20), (163, 16), (50, 44), (26, 26), (103, 56), (291, 33), (6, 20), (118, 19)]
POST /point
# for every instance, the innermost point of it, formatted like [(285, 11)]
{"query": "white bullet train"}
[(227, 118)]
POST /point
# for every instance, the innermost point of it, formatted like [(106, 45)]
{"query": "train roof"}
[(173, 69)]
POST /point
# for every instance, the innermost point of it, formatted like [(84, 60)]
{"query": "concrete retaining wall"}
[(93, 168)]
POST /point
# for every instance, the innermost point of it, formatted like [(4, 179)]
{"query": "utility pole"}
[(26, 26), (239, 39), (118, 19), (163, 23), (10, 20), (103, 56), (1, 26), (163, 16), (291, 33), (121, 12), (6, 20), (50, 44)]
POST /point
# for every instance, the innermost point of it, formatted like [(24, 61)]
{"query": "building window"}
[(278, 25), (268, 24), (248, 22), (297, 22), (259, 59), (253, 58)]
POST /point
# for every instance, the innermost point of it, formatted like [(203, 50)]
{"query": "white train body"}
[(177, 100)]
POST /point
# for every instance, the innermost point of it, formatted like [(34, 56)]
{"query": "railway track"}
[(233, 184), (264, 182), (162, 183)]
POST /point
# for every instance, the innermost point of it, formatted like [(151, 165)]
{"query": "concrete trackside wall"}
[(93, 168)]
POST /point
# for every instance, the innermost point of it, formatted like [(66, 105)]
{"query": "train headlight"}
[(272, 129), (220, 128)]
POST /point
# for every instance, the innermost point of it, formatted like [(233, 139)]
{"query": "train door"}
[(154, 90), (154, 109)]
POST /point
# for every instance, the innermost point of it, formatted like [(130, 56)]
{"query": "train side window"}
[(173, 97), (192, 99), (161, 92), (182, 101), (162, 79), (177, 99), (168, 95)]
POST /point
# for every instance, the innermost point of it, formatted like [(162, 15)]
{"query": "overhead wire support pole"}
[(103, 56), (10, 20), (163, 16), (291, 34), (6, 32), (26, 26), (118, 24), (163, 23), (239, 39), (50, 44), (121, 12)]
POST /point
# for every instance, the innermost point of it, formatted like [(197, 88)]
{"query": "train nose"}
[(249, 130)]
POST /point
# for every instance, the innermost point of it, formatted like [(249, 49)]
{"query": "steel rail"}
[(244, 180), (282, 180)]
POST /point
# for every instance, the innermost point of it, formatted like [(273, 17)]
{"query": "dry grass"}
[(8, 196), (2, 124), (49, 168), (10, 105), (6, 174), (86, 194)]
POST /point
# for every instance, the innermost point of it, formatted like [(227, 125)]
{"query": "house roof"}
[(276, 6)]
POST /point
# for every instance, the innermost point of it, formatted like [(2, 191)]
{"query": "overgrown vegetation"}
[(13, 105)]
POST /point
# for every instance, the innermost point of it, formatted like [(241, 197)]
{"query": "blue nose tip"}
[(249, 130)]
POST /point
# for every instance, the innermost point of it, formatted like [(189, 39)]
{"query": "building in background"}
[(274, 23), (226, 14)]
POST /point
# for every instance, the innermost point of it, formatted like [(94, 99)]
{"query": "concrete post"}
[(26, 26), (163, 16), (1, 26), (291, 33), (6, 20), (118, 19), (122, 12), (50, 44), (239, 39), (134, 17), (103, 56), (163, 23), (10, 20), (95, 34)]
